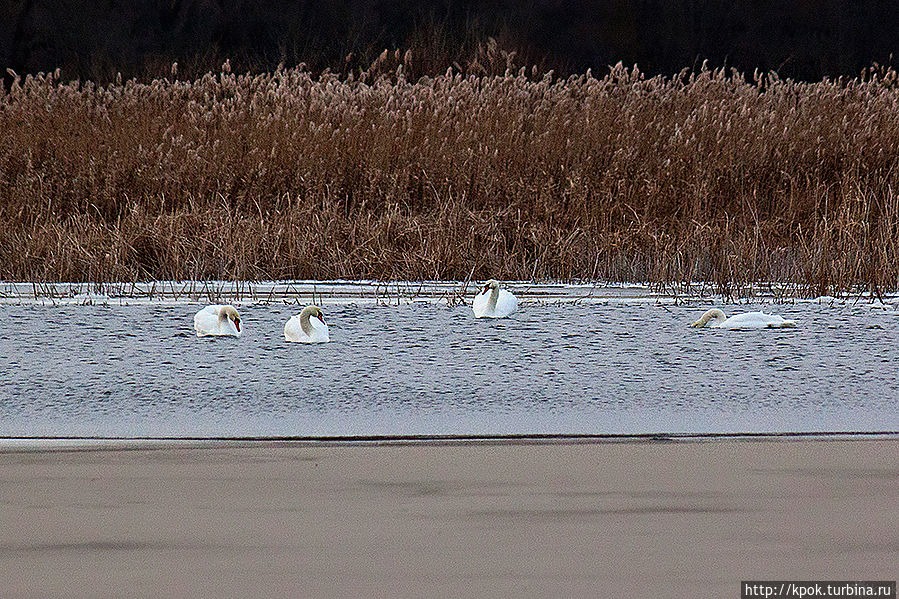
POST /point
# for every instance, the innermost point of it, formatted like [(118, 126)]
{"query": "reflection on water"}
[(432, 369)]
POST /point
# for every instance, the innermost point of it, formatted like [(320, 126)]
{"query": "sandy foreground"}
[(626, 519)]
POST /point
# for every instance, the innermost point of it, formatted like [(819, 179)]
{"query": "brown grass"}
[(709, 176)]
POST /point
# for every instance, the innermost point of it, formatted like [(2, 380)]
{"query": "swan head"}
[(490, 285), (310, 311), (715, 316), (230, 313)]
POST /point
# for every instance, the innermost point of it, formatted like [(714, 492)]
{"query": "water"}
[(139, 370)]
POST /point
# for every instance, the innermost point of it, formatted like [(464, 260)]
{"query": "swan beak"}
[(695, 324), (237, 324)]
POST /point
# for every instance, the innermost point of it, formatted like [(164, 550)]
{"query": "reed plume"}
[(706, 176)]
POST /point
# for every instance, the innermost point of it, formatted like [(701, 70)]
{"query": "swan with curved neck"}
[(716, 319), (493, 302), (307, 327), (217, 321)]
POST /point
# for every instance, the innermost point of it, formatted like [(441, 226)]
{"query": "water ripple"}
[(430, 369)]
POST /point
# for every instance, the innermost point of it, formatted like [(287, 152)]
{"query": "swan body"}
[(307, 327), (716, 319), (217, 321), (493, 302)]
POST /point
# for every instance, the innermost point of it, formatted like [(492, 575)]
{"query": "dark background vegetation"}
[(247, 171), (95, 39)]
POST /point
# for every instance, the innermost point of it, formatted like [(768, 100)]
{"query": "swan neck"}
[(713, 315), (305, 324), (494, 295)]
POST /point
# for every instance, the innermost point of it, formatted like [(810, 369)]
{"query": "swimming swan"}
[(308, 327), (716, 319), (217, 321), (493, 302)]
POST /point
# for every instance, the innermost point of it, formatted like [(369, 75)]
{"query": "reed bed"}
[(706, 176)]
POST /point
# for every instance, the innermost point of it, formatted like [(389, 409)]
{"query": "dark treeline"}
[(97, 39)]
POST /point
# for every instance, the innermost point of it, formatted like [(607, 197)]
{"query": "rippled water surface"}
[(139, 370)]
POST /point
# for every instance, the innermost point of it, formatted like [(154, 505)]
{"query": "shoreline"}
[(63, 443), (340, 292)]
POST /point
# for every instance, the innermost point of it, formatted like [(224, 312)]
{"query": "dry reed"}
[(707, 176)]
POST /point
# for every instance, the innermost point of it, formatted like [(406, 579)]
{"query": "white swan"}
[(218, 321), (308, 327), (716, 319), (493, 302)]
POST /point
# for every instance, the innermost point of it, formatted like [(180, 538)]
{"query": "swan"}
[(493, 302), (218, 321), (716, 319), (307, 327)]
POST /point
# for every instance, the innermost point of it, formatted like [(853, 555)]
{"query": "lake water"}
[(428, 368)]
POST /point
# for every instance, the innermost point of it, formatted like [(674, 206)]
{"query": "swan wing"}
[(506, 303), (293, 331), (319, 331), (779, 322), (479, 305), (756, 320), (206, 321)]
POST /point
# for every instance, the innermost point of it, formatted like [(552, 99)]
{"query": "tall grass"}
[(707, 176)]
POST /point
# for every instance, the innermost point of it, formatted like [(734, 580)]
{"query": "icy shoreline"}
[(337, 292)]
